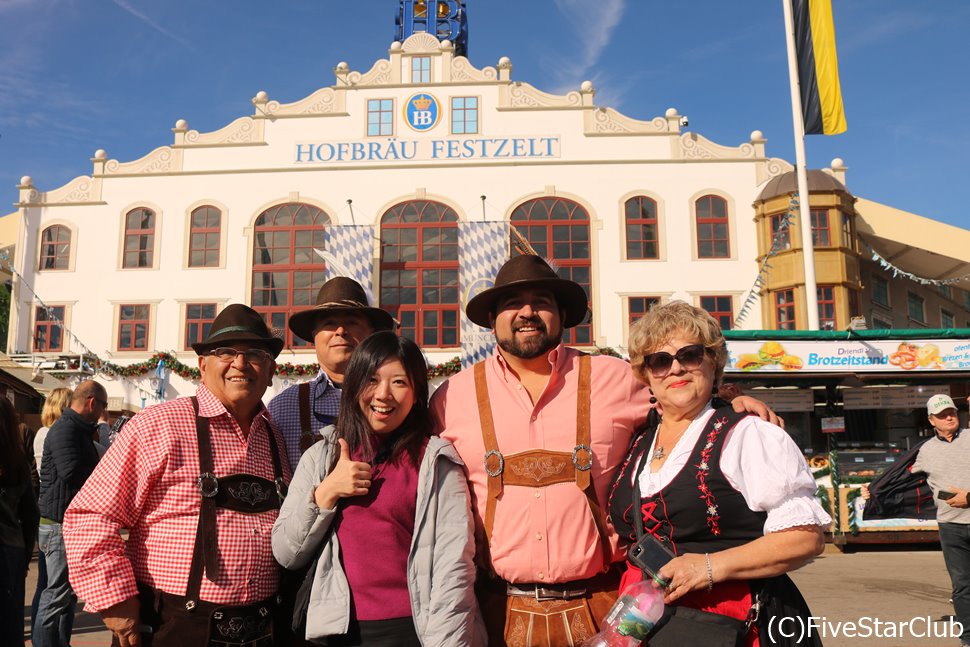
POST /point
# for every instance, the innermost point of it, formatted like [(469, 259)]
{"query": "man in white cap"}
[(945, 459)]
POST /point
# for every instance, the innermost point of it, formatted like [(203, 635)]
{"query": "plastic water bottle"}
[(631, 617)]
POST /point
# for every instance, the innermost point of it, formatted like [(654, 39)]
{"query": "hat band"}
[(223, 331), (343, 303)]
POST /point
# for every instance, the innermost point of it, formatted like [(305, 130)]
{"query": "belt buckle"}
[(543, 594)]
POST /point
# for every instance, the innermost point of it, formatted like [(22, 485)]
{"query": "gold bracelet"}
[(710, 576)]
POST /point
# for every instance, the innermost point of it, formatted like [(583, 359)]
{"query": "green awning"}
[(844, 335)]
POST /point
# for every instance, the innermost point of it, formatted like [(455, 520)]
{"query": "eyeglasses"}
[(690, 357), (252, 355)]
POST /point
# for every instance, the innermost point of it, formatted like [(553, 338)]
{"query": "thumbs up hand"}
[(348, 478)]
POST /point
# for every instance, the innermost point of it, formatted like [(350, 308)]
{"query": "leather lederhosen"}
[(187, 621), (562, 614)]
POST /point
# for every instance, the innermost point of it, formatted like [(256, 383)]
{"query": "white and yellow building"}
[(136, 256)]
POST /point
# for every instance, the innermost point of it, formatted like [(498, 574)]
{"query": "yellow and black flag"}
[(818, 67)]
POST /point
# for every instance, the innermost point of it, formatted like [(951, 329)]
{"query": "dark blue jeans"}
[(955, 541), (55, 613), (41, 585)]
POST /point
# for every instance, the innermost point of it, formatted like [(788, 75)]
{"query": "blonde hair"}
[(54, 405), (665, 321)]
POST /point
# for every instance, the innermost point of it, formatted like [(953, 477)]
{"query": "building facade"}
[(137, 257)]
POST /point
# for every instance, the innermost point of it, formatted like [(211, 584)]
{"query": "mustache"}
[(528, 322)]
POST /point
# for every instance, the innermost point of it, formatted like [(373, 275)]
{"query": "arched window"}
[(642, 238), (558, 230), (713, 239), (419, 270), (287, 272), (139, 238), (204, 236), (55, 248)]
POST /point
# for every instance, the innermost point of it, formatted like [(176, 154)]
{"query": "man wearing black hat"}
[(542, 429), (339, 321), (197, 482)]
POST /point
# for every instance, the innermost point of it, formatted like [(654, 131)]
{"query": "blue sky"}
[(78, 75)]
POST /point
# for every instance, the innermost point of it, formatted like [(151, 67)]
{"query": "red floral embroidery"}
[(703, 469)]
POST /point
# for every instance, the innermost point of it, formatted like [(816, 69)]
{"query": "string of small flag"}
[(779, 241), (897, 272), (160, 372)]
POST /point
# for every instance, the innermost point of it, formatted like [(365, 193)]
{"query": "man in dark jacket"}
[(68, 460)]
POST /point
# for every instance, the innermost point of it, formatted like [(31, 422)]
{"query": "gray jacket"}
[(441, 569)]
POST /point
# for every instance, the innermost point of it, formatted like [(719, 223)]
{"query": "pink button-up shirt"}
[(544, 534)]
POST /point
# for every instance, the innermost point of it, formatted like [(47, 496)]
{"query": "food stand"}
[(854, 401)]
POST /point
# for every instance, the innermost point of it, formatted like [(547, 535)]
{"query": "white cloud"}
[(594, 24), (126, 6)]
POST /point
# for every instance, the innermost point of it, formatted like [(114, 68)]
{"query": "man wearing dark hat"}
[(542, 429), (197, 482), (339, 321)]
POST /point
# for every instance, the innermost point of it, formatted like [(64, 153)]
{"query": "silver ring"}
[(589, 462), (501, 463)]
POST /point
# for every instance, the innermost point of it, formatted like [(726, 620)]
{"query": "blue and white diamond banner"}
[(483, 249), (350, 252)]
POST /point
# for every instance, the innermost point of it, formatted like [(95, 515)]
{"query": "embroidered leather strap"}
[(583, 455), (494, 461), (539, 468), (307, 437), (205, 554)]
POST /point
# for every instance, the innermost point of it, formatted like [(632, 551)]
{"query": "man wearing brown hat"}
[(542, 429), (339, 321), (197, 482)]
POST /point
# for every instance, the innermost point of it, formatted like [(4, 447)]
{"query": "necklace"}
[(658, 453)]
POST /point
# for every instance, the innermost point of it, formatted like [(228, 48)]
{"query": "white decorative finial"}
[(395, 46), (447, 46), (838, 163), (757, 136), (100, 154), (342, 66), (261, 96), (671, 112), (26, 180), (505, 61), (181, 124), (586, 86)]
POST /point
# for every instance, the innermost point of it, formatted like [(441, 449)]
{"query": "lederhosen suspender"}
[(239, 492), (539, 467), (307, 436)]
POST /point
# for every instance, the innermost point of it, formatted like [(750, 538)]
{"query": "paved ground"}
[(891, 586)]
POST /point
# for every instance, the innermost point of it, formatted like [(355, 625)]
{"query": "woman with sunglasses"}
[(386, 508), (729, 494)]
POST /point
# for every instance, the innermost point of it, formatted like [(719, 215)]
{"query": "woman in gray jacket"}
[(386, 506)]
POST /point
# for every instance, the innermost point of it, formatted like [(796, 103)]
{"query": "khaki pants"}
[(516, 621)]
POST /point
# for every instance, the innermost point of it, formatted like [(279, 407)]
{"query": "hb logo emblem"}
[(422, 112)]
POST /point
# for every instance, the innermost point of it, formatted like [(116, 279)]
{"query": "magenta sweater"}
[(375, 533)]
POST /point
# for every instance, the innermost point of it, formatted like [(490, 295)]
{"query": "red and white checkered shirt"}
[(147, 484)]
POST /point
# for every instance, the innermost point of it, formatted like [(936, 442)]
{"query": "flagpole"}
[(804, 208)]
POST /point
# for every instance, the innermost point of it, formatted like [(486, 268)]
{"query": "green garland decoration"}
[(850, 496), (284, 369), (822, 494)]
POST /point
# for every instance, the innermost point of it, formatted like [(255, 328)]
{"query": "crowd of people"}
[(359, 509)]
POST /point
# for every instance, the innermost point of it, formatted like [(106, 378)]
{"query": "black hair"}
[(13, 455), (406, 440)]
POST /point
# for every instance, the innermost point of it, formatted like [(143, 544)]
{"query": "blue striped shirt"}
[(284, 410)]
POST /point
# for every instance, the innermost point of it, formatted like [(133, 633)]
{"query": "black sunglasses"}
[(690, 357)]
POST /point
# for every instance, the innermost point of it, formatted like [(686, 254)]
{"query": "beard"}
[(532, 347)]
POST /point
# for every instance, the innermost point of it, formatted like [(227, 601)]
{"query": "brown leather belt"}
[(565, 591)]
